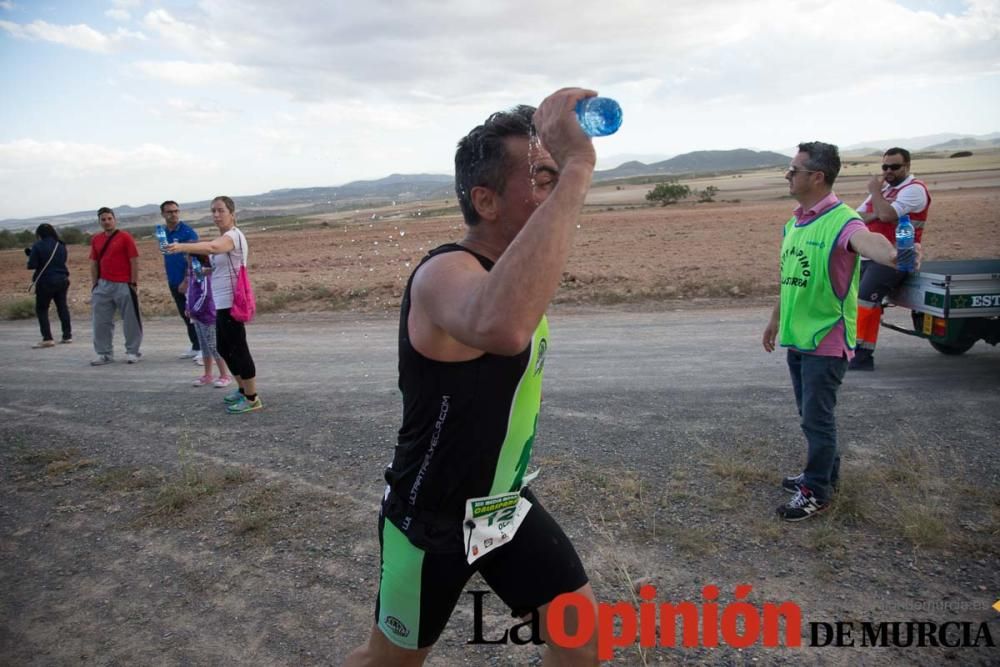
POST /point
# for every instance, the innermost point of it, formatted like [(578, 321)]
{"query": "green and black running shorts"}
[(418, 590)]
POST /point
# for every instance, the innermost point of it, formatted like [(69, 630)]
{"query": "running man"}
[(472, 342)]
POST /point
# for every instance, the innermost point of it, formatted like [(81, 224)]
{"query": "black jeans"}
[(180, 299), (46, 293)]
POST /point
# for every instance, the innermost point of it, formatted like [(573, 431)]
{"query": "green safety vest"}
[(809, 306)]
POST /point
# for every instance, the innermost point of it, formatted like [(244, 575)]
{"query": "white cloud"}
[(7, 5), (58, 176), (327, 91), (184, 37), (79, 36), (118, 14), (194, 74), (454, 51), (79, 158), (198, 112)]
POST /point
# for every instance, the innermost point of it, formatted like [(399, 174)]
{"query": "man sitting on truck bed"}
[(892, 194)]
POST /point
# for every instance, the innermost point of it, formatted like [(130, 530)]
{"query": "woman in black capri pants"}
[(229, 251)]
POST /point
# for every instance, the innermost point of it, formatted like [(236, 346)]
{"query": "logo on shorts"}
[(396, 626), (543, 346)]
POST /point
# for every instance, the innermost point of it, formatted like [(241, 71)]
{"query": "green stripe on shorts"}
[(399, 589)]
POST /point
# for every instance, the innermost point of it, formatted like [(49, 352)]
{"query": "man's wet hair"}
[(481, 158), (822, 157)]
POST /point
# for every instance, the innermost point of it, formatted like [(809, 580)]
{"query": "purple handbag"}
[(199, 298)]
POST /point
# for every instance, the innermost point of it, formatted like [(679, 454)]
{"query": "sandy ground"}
[(140, 525)]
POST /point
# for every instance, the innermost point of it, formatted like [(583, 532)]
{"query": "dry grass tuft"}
[(744, 463), (18, 309), (45, 457), (257, 510), (176, 495), (52, 462)]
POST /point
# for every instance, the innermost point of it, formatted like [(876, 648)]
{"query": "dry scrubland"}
[(625, 251)]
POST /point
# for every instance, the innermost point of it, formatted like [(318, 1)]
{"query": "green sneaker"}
[(244, 406), (233, 397)]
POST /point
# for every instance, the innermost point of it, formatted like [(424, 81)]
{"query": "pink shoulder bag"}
[(244, 303)]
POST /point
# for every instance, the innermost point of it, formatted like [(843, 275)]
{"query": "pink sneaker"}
[(223, 381), (202, 381)]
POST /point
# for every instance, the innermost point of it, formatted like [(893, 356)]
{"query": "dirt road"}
[(139, 524)]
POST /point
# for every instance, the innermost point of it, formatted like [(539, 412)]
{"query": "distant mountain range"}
[(304, 201), (964, 142), (605, 162), (415, 187), (698, 162), (931, 142)]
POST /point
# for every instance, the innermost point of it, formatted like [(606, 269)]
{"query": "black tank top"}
[(467, 432)]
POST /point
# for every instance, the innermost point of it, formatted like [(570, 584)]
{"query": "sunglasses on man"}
[(893, 167)]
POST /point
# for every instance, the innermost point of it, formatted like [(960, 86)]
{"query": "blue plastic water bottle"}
[(161, 238), (199, 272), (599, 116), (905, 252)]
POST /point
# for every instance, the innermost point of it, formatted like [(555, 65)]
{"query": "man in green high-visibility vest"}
[(816, 317)]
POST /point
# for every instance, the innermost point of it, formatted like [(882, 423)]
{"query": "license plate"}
[(928, 324)]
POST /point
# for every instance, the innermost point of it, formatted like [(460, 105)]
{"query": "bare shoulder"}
[(440, 297), (446, 268)]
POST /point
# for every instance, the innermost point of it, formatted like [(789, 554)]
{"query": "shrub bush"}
[(21, 239), (668, 193), (74, 236), (19, 309), (708, 194)]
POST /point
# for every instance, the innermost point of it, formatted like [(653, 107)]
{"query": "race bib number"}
[(491, 521)]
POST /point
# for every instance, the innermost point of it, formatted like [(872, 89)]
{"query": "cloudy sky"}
[(111, 102)]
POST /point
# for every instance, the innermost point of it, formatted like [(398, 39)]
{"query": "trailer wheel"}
[(955, 349)]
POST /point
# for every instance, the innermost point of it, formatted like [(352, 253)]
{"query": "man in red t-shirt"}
[(114, 276)]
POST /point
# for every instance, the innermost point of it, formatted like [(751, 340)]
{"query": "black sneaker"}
[(802, 506), (862, 362), (792, 484)]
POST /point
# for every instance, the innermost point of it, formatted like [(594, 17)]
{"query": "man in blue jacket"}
[(176, 268)]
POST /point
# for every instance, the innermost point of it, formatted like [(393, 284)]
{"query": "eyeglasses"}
[(791, 171), (893, 167), (172, 210)]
